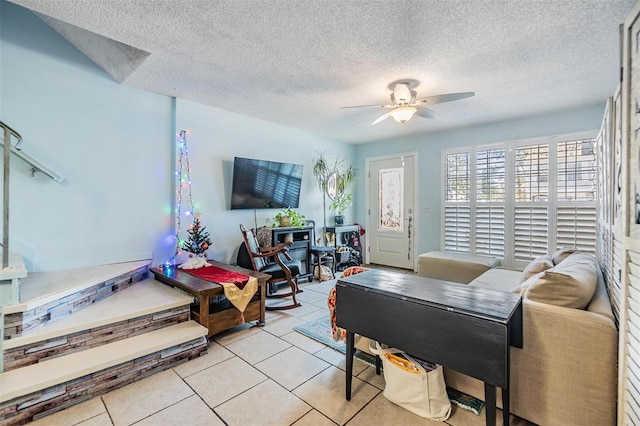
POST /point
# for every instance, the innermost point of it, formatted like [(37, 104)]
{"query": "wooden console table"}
[(203, 290), (468, 329)]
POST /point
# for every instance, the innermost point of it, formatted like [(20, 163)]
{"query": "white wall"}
[(116, 148), (429, 149)]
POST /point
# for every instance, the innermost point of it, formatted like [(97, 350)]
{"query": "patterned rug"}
[(320, 329)]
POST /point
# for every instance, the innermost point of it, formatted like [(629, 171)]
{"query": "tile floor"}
[(269, 375)]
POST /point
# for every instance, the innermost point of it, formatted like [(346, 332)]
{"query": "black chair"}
[(321, 255), (274, 261)]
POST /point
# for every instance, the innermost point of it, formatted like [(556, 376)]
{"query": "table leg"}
[(505, 407), (490, 404), (204, 311), (349, 373), (262, 288)]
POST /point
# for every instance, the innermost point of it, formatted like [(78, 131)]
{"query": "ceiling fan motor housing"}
[(401, 94)]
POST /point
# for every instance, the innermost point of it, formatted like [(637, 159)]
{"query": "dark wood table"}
[(204, 290), (462, 327)]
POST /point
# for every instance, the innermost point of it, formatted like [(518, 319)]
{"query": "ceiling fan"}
[(405, 105)]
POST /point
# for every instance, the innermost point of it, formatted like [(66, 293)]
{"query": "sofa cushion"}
[(571, 283), (455, 267), (503, 279), (562, 254), (536, 266)]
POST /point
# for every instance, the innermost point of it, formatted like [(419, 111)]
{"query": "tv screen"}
[(261, 184)]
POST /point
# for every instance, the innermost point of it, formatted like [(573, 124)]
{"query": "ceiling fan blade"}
[(368, 106), (438, 99), (382, 117), (426, 112), (362, 106)]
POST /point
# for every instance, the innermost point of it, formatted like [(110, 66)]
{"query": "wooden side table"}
[(203, 290)]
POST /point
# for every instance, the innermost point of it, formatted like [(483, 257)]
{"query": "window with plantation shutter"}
[(457, 217), (490, 185), (576, 213), (519, 200)]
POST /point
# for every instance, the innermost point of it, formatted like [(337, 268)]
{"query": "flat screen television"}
[(261, 184)]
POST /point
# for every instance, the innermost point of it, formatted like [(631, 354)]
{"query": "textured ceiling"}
[(296, 62)]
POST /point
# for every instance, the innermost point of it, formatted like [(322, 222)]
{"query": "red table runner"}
[(219, 275)]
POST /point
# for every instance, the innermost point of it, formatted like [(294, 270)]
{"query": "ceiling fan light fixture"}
[(403, 114)]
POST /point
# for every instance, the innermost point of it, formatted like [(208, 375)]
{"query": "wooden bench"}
[(215, 321)]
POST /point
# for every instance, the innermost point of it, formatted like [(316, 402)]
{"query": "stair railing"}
[(36, 166), (8, 132)]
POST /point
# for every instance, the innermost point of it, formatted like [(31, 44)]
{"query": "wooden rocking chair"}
[(252, 256)]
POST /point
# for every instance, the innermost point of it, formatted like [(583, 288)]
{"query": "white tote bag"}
[(410, 386)]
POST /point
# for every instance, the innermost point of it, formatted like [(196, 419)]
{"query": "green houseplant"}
[(288, 217), (341, 203), (333, 179)]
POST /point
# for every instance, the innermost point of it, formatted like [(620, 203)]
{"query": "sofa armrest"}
[(569, 365), (566, 373)]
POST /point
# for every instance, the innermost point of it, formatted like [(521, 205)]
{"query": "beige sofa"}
[(566, 373)]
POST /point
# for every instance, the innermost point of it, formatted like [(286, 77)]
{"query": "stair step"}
[(47, 297), (145, 306), (53, 372), (143, 298), (41, 288)]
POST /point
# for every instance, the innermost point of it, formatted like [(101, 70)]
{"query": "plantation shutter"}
[(490, 231), (576, 227), (531, 224), (457, 228), (531, 208), (490, 202), (615, 289), (633, 334), (457, 207), (520, 200), (576, 186)]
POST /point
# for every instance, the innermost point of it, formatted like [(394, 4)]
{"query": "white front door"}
[(391, 209)]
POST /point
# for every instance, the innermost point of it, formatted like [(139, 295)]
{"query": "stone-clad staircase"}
[(80, 333)]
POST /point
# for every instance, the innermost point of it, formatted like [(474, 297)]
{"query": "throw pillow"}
[(534, 267), (562, 254), (338, 332), (571, 283)]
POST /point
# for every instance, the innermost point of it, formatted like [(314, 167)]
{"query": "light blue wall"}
[(116, 148), (429, 149), (215, 138), (111, 143)]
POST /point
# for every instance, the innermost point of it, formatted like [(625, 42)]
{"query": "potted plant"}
[(339, 205), (288, 217), (333, 180)]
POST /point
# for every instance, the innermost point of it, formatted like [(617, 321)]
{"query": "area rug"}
[(319, 329)]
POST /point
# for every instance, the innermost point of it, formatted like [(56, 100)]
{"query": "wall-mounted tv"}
[(261, 184)]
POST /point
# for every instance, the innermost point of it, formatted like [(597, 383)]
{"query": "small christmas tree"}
[(198, 241)]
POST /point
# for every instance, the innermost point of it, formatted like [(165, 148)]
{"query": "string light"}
[(183, 180)]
